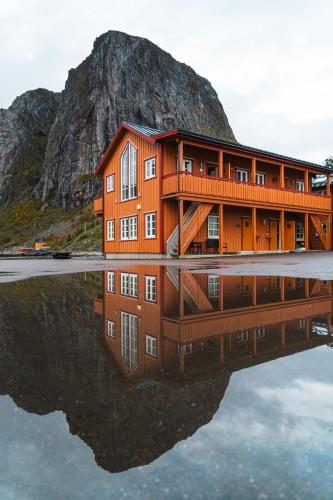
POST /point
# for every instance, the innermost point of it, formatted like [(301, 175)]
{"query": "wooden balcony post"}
[(254, 291), (222, 348), (253, 170), (181, 292), (181, 365), (282, 183), (221, 228), (307, 328), (221, 305), (306, 231), (254, 228), (282, 288), (329, 232), (181, 227), (281, 229), (306, 181), (283, 334), (328, 184), (229, 171), (307, 288), (329, 324), (220, 160), (254, 341)]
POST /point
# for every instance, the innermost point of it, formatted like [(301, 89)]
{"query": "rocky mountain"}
[(125, 78)]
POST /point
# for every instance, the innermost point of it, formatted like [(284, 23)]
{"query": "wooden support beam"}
[(254, 291), (329, 323), (307, 288), (221, 235), (229, 171), (254, 341), (329, 232), (253, 171), (281, 229), (283, 334), (307, 328), (328, 184), (222, 348), (181, 292), (220, 160), (181, 365), (181, 156), (282, 182), (181, 227), (254, 229), (282, 289), (306, 181), (221, 296), (306, 231)]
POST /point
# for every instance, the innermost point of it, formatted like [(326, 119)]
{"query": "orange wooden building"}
[(163, 321), (177, 193)]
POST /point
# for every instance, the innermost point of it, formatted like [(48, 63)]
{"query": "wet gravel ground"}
[(307, 265)]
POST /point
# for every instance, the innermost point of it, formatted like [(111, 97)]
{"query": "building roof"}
[(154, 134)]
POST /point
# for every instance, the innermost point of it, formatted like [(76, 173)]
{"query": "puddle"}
[(220, 386)]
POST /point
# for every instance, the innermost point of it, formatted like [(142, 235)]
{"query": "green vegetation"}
[(24, 223), (329, 162)]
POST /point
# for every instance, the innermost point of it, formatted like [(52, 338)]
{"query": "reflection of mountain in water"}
[(51, 359)]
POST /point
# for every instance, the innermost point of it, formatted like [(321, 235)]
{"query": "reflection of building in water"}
[(165, 322)]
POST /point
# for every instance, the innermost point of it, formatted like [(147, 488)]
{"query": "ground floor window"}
[(110, 230), (260, 332), (151, 345), (188, 348), (213, 287), (129, 340), (129, 228), (150, 225), (213, 226), (299, 231)]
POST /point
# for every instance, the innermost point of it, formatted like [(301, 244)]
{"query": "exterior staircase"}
[(194, 296), (315, 219), (194, 217)]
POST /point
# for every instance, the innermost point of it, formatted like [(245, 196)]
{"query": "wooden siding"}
[(98, 206)]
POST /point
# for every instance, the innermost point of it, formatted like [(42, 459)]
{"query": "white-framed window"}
[(299, 231), (187, 165), (129, 284), (243, 336), (242, 175), (129, 228), (129, 340), (128, 172), (110, 282), (300, 186), (150, 168), (188, 348), (151, 345), (150, 288), (213, 287), (110, 183), (110, 230), (111, 329), (150, 225), (260, 179), (324, 226), (300, 324), (213, 226), (260, 332)]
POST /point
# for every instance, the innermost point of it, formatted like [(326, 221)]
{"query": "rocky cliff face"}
[(125, 78), (24, 131)]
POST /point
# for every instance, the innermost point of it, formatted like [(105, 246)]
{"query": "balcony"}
[(221, 189), (98, 206)]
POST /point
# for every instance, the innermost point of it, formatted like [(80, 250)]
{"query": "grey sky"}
[(270, 61)]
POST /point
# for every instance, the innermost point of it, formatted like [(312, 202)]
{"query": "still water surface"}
[(153, 382)]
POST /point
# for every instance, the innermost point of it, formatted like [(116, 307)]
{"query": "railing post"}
[(282, 183), (282, 229), (254, 228), (220, 160), (221, 228)]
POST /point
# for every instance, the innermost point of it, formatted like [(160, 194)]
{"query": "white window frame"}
[(110, 332), (150, 168), (150, 288), (110, 183), (260, 179), (213, 287), (129, 228), (242, 175), (129, 285), (124, 228), (300, 323), (242, 336), (300, 186), (110, 230), (187, 165), (299, 235), (128, 173), (260, 332), (151, 345), (213, 227), (129, 340), (133, 227), (110, 282), (150, 225)]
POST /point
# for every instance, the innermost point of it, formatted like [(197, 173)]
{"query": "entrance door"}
[(289, 235), (274, 234), (246, 233)]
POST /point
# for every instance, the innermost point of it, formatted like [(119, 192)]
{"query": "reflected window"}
[(111, 329), (151, 345), (260, 332), (188, 348), (213, 287), (243, 336), (300, 323), (129, 284), (129, 340), (151, 288), (110, 283)]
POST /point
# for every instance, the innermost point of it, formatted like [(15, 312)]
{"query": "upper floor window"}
[(128, 172), (110, 230), (150, 220), (129, 340), (110, 183), (260, 179), (187, 165), (300, 186), (110, 282), (151, 288), (150, 169), (129, 284), (213, 226), (242, 175)]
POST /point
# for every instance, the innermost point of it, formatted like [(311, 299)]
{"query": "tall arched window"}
[(128, 172)]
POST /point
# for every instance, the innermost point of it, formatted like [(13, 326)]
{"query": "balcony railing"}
[(230, 190), (98, 206)]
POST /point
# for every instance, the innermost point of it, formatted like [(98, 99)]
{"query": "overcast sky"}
[(270, 61)]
